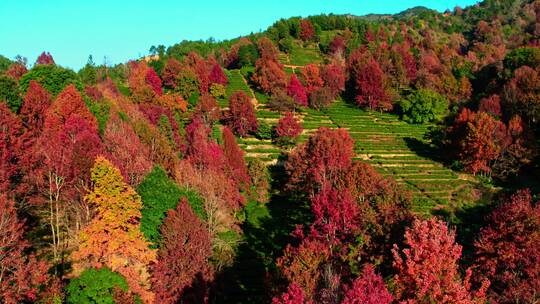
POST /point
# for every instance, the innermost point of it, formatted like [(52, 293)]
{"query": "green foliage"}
[(52, 77), (159, 195), (95, 286), (423, 106), (123, 116), (4, 63), (203, 48), (217, 90), (248, 54), (9, 93), (165, 128), (193, 99), (101, 111), (264, 130), (157, 65), (88, 73), (216, 133), (529, 56), (124, 90), (187, 83), (286, 45)]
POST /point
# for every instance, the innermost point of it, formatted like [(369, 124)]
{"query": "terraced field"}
[(397, 149), (393, 147), (301, 56)]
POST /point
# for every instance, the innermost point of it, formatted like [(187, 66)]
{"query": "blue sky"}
[(122, 30)]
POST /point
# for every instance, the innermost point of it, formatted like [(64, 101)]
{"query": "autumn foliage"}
[(241, 115), (17, 268), (113, 238), (507, 250), (296, 90), (174, 177), (369, 82), (288, 128), (427, 268), (369, 288), (234, 158), (183, 258), (45, 58)]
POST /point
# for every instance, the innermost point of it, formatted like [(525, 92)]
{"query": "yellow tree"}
[(113, 239)]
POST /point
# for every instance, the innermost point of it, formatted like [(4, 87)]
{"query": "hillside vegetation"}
[(329, 159)]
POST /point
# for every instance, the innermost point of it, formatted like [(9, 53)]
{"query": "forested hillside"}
[(329, 159)]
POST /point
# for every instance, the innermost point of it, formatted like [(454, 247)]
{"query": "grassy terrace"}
[(397, 149), (393, 147), (236, 83)]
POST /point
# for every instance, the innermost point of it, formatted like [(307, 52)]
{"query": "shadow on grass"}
[(424, 149), (267, 231)]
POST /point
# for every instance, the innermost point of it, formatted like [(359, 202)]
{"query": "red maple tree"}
[(369, 288), (307, 32), (334, 78), (427, 267), (311, 75), (200, 150), (16, 70), (126, 151), (296, 90), (288, 128), (183, 258), (508, 250), (217, 75), (241, 115), (491, 105), (11, 130), (234, 157), (154, 81), (293, 295), (170, 71), (323, 158), (22, 276), (35, 104), (269, 76), (369, 81), (45, 58)]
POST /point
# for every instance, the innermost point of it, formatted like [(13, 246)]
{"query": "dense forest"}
[(329, 159)]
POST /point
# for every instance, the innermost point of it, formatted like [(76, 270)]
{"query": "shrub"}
[(264, 131), (321, 98), (286, 45), (281, 102), (260, 180), (423, 106), (95, 286), (287, 130)]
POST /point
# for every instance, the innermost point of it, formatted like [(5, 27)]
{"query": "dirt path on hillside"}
[(254, 100)]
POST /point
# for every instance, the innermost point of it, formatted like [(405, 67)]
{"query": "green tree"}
[(95, 286), (187, 83), (88, 73), (51, 77), (529, 56), (4, 63), (423, 106), (9, 93), (159, 195), (248, 54)]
